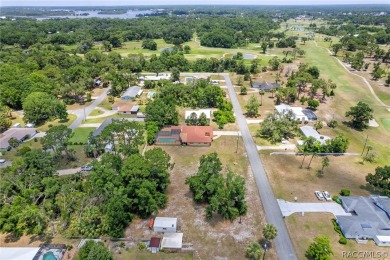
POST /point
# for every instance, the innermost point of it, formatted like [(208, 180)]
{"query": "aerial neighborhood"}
[(194, 132)]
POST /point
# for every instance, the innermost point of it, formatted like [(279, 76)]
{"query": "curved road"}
[(272, 210), (82, 113)]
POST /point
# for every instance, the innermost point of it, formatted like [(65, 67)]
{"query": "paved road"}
[(81, 113), (289, 208), (274, 216)]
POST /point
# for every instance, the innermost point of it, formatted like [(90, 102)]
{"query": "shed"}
[(172, 241), (154, 244), (164, 224)]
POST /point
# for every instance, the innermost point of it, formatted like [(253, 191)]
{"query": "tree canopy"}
[(361, 114)]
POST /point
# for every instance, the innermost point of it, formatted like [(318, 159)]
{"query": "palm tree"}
[(261, 93), (325, 163), (254, 251), (273, 90), (270, 232)]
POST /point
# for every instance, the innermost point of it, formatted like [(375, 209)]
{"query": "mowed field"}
[(217, 238)]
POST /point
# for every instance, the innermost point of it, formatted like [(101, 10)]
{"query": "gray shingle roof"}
[(131, 92)]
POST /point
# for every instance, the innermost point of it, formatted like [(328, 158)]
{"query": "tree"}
[(13, 142), (252, 107), (361, 114), (192, 119), (56, 140), (92, 250), (336, 47), (202, 120), (39, 107), (325, 163), (243, 90), (187, 49), (274, 63), (380, 180), (277, 126), (254, 251), (264, 46), (261, 93), (175, 74), (269, 232), (313, 104), (388, 80), (318, 125), (149, 44), (320, 249)]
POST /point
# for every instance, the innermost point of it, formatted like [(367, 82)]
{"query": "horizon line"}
[(159, 5)]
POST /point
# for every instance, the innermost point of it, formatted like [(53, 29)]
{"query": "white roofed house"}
[(299, 113), (309, 131)]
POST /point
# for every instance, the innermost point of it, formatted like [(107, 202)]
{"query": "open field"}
[(46, 126), (135, 253), (216, 238), (81, 134), (96, 112)]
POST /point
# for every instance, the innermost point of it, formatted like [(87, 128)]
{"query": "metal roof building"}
[(163, 224), (131, 92), (309, 131)]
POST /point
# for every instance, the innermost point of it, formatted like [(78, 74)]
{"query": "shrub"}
[(23, 150), (343, 240), (141, 245), (35, 139), (70, 143), (332, 123), (122, 244), (335, 197), (69, 247), (345, 192), (50, 126)]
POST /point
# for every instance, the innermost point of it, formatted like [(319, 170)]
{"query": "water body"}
[(130, 14), (248, 56)]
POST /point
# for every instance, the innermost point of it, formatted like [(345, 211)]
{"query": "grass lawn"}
[(96, 112), (81, 134), (49, 124), (386, 123), (217, 238)]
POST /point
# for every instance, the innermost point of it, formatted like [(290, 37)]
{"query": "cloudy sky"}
[(181, 2)]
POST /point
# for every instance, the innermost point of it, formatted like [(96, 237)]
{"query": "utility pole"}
[(365, 143)]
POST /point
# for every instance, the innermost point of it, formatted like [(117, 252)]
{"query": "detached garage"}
[(162, 224)]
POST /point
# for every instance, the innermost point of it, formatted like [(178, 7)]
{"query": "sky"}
[(182, 2)]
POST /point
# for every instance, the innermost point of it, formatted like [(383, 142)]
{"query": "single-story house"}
[(131, 93), (125, 108), (309, 131), (185, 135), (300, 114), (266, 86), (164, 224), (134, 110), (196, 135), (20, 134), (154, 244), (172, 241), (100, 129), (207, 112), (156, 78), (370, 219)]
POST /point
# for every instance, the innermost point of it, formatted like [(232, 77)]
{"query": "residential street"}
[(283, 243), (80, 112)]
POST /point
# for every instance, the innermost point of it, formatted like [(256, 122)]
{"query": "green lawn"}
[(96, 112), (386, 123), (80, 135), (46, 126)]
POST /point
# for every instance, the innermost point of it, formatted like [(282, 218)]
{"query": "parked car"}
[(327, 195), (86, 168), (319, 195), (2, 160)]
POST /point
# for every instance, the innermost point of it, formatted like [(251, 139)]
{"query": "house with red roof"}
[(185, 135)]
